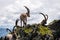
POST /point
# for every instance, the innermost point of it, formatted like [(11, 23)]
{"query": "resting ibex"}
[(11, 36), (23, 17), (44, 21)]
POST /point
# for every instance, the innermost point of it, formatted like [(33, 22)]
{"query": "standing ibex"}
[(44, 21), (23, 17)]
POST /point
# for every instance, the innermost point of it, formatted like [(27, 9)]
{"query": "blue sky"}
[(10, 10)]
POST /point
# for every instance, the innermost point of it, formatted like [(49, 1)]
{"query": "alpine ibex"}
[(23, 16), (44, 21), (11, 36)]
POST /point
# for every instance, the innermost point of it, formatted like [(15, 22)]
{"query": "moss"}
[(41, 30), (28, 30), (44, 30)]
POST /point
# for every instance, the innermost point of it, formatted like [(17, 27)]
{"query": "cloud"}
[(51, 8), (9, 13), (4, 3)]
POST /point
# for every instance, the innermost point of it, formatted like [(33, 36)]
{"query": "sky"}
[(10, 10)]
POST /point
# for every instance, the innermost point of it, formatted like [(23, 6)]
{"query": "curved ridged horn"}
[(28, 11), (16, 22), (9, 30), (46, 16), (43, 15)]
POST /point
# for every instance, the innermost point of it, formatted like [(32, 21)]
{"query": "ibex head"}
[(45, 20), (28, 11)]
